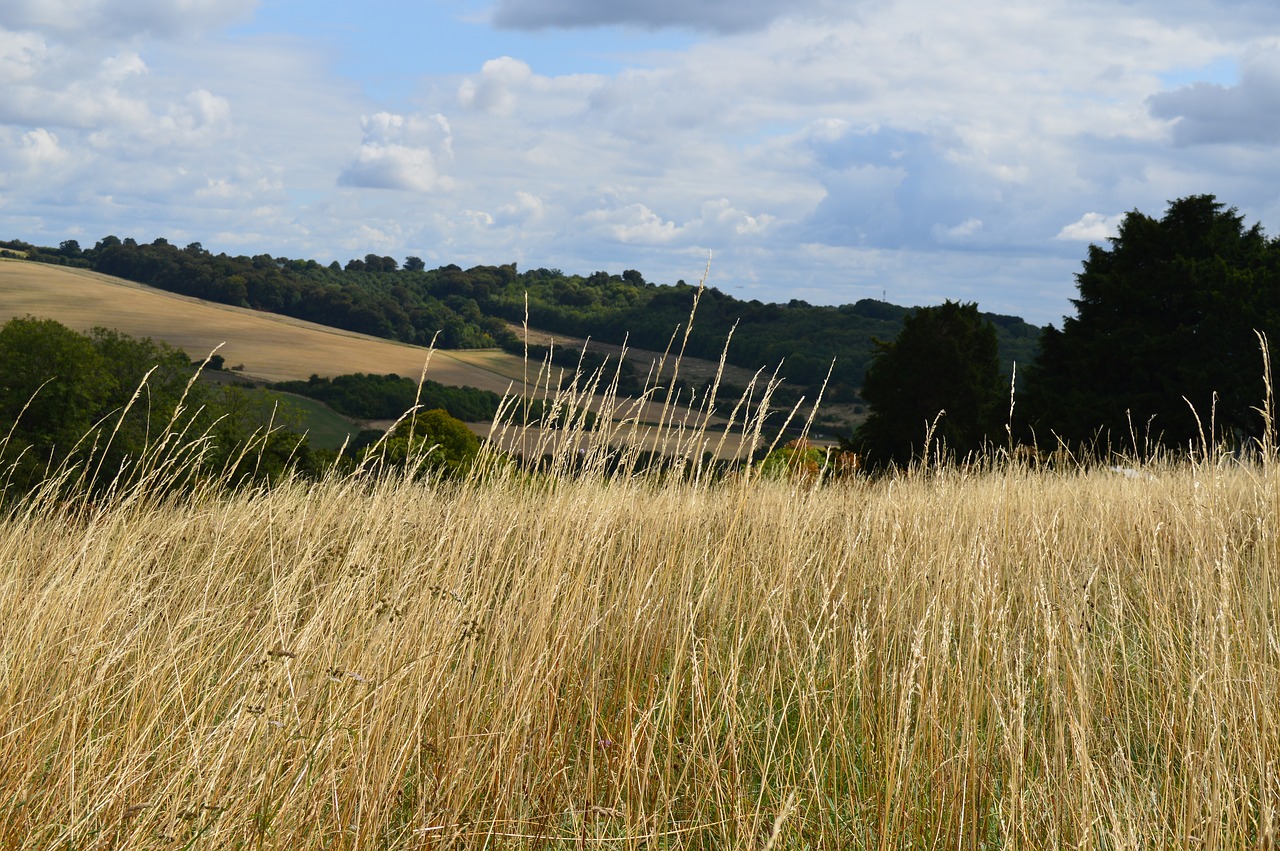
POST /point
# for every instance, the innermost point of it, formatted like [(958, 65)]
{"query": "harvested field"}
[(271, 347)]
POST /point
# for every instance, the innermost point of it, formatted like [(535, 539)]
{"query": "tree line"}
[(372, 296), (1164, 353)]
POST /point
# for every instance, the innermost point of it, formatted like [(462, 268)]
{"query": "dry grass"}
[(988, 659), (993, 657)]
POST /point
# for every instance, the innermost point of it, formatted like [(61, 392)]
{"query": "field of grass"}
[(324, 427), (997, 658), (592, 656)]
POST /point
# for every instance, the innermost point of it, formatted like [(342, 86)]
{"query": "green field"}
[(324, 427)]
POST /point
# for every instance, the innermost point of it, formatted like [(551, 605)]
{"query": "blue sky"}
[(916, 150)]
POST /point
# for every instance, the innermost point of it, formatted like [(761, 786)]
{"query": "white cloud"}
[(121, 66), (22, 54), (241, 188), (957, 234), (720, 221), (40, 149), (1091, 227), (379, 166), (924, 146), (496, 88), (397, 153), (633, 224), (527, 208)]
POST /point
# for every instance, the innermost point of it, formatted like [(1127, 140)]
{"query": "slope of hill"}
[(470, 308), (261, 346), (270, 347)]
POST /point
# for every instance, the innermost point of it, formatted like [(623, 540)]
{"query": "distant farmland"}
[(270, 347)]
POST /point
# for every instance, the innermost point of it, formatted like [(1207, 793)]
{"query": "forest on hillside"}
[(475, 308)]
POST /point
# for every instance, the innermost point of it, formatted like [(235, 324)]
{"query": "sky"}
[(912, 150)]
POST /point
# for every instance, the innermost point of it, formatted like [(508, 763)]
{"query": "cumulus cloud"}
[(930, 149), (241, 188), (379, 166), (40, 148), (399, 153), (497, 86), (634, 224), (198, 118), (35, 161), (527, 208), (1206, 113), (21, 56), (1091, 227), (717, 222), (723, 16), (120, 66), (723, 222), (957, 234)]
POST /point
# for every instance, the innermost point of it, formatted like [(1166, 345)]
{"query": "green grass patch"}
[(325, 427)]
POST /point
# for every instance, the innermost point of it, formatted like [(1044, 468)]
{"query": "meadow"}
[(977, 657), (602, 654)]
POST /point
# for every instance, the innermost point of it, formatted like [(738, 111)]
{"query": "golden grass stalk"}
[(984, 656), (994, 658)]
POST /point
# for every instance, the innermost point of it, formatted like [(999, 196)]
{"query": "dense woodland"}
[(474, 308)]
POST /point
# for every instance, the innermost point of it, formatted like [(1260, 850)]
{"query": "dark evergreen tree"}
[(943, 367), (1164, 321)]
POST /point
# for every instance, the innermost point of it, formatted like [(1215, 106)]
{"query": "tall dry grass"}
[(998, 658), (603, 657)]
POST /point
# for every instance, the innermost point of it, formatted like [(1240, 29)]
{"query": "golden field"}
[(971, 658), (981, 656), (269, 346)]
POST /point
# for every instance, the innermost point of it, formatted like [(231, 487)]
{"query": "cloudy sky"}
[(827, 150)]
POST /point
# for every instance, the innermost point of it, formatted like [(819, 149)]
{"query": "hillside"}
[(474, 308), (268, 346), (257, 345)]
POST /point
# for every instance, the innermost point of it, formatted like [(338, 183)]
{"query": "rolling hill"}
[(270, 347), (259, 346)]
